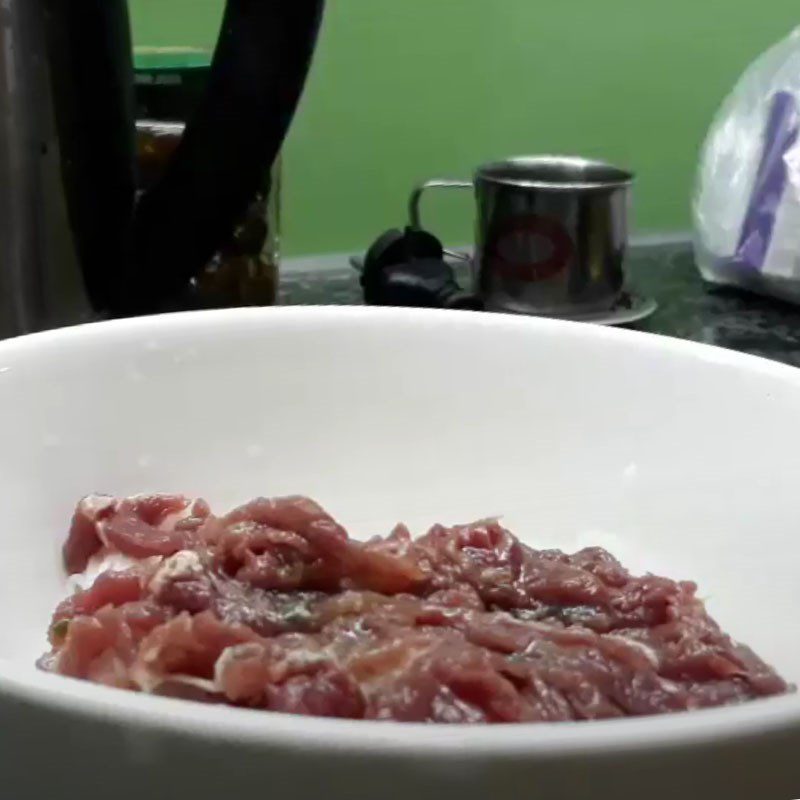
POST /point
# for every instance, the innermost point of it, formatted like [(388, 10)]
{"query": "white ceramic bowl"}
[(680, 458)]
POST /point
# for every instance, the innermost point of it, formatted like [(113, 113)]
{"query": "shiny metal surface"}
[(414, 214), (554, 172), (40, 283), (551, 233)]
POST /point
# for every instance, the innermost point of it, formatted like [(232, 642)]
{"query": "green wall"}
[(407, 90)]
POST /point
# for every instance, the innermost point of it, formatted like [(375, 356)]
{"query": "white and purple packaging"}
[(747, 200)]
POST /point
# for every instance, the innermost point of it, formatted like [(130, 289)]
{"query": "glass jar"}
[(244, 272)]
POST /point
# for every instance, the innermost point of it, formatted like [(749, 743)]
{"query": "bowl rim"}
[(278, 731), (81, 700)]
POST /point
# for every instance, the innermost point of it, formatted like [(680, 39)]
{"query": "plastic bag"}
[(747, 199)]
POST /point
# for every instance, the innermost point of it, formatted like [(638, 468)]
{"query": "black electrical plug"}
[(408, 268)]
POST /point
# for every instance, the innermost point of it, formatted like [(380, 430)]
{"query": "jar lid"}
[(155, 60), (169, 81)]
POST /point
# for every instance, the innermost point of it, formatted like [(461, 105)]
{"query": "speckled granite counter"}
[(687, 308)]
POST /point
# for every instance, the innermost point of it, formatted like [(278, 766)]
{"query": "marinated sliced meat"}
[(273, 606), (292, 543), (185, 646), (153, 525), (141, 526), (589, 588), (83, 540), (103, 646), (109, 589)]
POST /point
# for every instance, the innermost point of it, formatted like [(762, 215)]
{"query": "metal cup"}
[(551, 233)]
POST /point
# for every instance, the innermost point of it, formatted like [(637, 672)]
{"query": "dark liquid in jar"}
[(245, 271)]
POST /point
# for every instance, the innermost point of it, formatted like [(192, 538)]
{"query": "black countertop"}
[(688, 309)]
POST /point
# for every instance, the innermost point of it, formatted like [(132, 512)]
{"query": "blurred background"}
[(397, 96)]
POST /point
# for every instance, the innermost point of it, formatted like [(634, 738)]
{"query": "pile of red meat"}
[(273, 606)]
